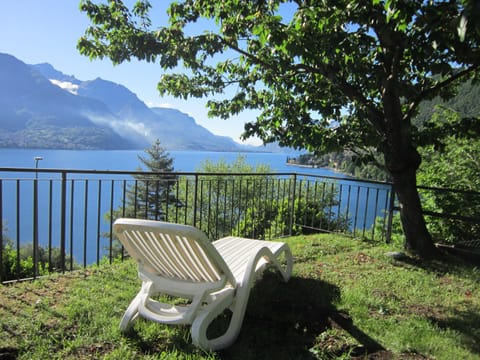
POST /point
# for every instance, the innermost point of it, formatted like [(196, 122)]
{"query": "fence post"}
[(1, 232), (195, 197), (292, 209), (63, 215), (391, 206), (35, 228), (110, 240)]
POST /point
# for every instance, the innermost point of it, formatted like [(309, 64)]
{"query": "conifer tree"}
[(151, 193)]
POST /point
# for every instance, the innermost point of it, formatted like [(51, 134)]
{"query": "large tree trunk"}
[(417, 237), (402, 161)]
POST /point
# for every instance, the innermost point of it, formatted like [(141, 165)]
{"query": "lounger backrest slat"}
[(201, 264), (171, 254), (143, 252)]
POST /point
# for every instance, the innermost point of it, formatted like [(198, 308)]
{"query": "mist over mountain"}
[(36, 113), (40, 107)]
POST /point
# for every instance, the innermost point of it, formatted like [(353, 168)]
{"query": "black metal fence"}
[(452, 215), (59, 220)]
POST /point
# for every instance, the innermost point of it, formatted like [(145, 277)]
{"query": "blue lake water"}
[(18, 220), (128, 159)]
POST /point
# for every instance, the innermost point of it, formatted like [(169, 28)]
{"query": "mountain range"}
[(40, 107)]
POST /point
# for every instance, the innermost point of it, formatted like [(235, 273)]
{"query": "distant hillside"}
[(175, 129), (466, 102), (40, 107), (37, 114)]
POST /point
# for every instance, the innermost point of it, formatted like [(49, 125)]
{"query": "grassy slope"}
[(346, 299)]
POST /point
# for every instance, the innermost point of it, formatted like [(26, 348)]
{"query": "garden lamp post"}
[(37, 159)]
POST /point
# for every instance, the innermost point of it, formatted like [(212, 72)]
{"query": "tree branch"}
[(350, 91)]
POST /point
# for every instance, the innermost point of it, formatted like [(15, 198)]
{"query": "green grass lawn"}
[(346, 299)]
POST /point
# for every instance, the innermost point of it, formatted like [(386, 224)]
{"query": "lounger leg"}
[(203, 321), (287, 271), (131, 314)]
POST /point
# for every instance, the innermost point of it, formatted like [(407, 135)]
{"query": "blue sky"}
[(37, 31)]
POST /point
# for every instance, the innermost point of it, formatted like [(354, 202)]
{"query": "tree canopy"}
[(325, 75)]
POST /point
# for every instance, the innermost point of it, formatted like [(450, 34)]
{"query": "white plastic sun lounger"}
[(179, 260)]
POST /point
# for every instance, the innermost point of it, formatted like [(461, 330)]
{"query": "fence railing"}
[(452, 215), (59, 220)]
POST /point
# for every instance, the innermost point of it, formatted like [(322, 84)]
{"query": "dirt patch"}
[(425, 311), (95, 350), (361, 258)]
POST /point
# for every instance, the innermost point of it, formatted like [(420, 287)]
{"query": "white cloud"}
[(137, 127), (253, 141), (66, 85), (163, 105), (171, 106), (135, 131), (166, 105)]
